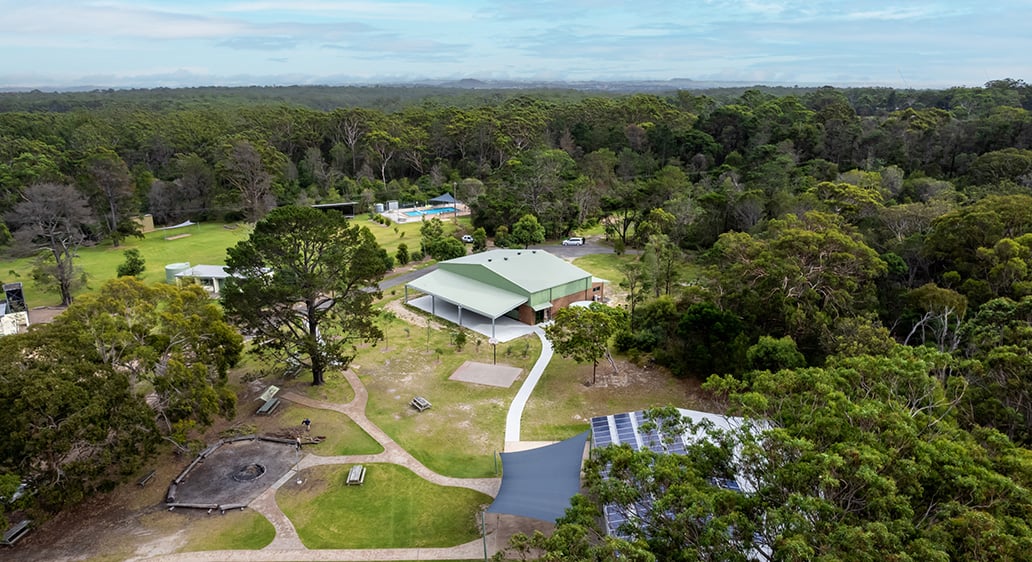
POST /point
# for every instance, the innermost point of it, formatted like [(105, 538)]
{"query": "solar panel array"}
[(618, 429)]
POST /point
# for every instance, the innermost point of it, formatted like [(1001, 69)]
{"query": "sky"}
[(51, 44)]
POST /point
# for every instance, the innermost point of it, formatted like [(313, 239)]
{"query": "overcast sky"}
[(143, 43)]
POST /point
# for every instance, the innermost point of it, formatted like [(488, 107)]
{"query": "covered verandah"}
[(470, 304)]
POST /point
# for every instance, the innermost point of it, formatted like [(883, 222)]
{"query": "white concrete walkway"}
[(512, 420)]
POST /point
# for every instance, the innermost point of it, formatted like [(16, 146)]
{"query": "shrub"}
[(133, 265)]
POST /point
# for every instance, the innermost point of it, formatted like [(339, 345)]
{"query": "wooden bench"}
[(268, 407), (16, 532), (146, 478), (356, 476), (420, 403)]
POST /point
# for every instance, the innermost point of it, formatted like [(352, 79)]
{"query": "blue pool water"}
[(437, 211)]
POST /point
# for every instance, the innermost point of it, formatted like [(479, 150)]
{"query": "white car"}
[(573, 241), (467, 238)]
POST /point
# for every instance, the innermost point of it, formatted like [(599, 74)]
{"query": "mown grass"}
[(606, 266), (205, 244), (342, 436), (236, 530), (394, 508), (565, 399), (391, 236), (459, 435)]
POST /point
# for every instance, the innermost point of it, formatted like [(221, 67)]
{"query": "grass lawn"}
[(606, 266), (459, 435), (565, 400), (390, 237), (343, 436), (394, 508), (205, 244), (236, 530)]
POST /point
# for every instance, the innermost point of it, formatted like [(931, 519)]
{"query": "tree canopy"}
[(303, 285), (861, 459)]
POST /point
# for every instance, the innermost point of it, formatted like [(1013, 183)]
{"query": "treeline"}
[(563, 160), (834, 218)]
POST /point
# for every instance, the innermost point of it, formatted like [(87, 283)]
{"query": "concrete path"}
[(512, 419)]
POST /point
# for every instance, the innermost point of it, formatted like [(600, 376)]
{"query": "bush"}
[(402, 255), (133, 265), (459, 340)]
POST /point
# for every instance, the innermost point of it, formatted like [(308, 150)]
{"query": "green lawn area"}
[(236, 530), (390, 237), (342, 436), (606, 266), (203, 244), (394, 508), (460, 434)]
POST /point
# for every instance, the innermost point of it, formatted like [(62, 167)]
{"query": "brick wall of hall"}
[(526, 313)]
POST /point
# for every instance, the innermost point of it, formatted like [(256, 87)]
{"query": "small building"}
[(526, 285), (14, 316), (347, 208), (210, 277)]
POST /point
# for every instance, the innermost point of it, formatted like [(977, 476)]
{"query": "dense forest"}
[(822, 227)]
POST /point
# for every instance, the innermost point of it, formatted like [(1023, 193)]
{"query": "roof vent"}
[(518, 253), (488, 259), (506, 258)]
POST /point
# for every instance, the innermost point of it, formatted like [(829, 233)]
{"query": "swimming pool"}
[(436, 211)]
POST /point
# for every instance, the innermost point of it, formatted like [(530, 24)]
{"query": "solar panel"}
[(650, 438), (625, 430), (600, 431)]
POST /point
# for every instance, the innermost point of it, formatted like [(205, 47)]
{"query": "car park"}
[(573, 241)]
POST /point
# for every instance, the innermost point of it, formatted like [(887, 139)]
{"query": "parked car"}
[(467, 238), (573, 241)]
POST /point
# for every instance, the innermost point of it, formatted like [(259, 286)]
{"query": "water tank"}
[(392, 205), (378, 207), (172, 269)]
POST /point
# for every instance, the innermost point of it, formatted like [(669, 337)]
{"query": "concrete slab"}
[(483, 373), (505, 329)]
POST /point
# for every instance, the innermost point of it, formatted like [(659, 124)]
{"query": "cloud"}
[(259, 43)]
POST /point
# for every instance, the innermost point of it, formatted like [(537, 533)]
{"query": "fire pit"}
[(249, 472)]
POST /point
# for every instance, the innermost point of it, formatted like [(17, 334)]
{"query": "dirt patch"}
[(407, 314), (236, 473), (44, 314)]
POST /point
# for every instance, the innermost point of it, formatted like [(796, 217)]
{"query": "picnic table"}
[(17, 531), (269, 396), (356, 476), (268, 407), (420, 403)]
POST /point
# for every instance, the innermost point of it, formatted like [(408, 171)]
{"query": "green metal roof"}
[(470, 294), (529, 270)]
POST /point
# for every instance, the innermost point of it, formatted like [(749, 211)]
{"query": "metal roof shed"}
[(495, 283)]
